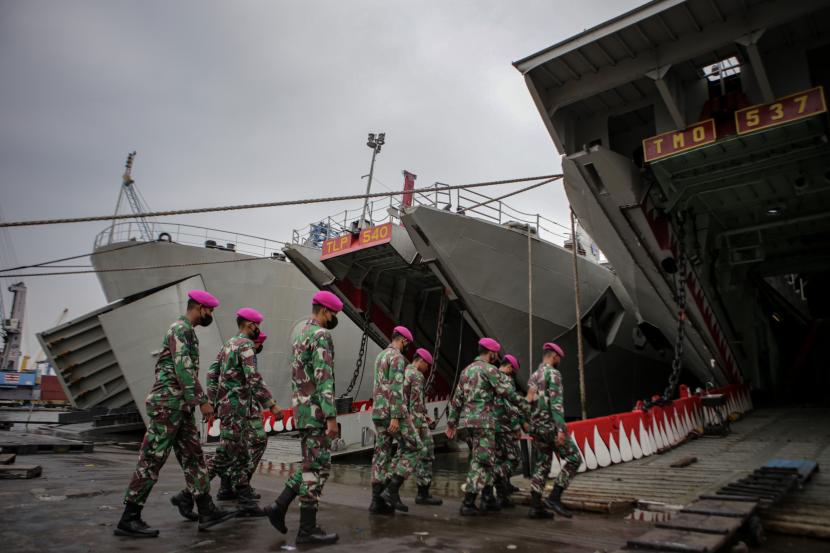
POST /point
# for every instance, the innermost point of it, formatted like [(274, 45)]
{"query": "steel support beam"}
[(750, 43), (672, 101)]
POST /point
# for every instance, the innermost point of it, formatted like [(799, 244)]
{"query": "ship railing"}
[(191, 235), (467, 202)]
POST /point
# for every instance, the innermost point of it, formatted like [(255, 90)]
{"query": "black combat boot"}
[(537, 509), (131, 524), (210, 514), (226, 491), (468, 506), (247, 505), (554, 502), (489, 503), (424, 498), (504, 494), (309, 531), (511, 488), (276, 511), (184, 501), (378, 505), (391, 494)]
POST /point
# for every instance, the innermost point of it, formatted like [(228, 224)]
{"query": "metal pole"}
[(368, 188), (529, 303), (580, 352)]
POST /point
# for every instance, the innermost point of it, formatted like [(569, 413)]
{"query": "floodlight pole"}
[(375, 144)]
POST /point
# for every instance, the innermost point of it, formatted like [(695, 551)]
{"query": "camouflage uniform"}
[(472, 408), (175, 392), (509, 419), (257, 437), (312, 386), (413, 392), (546, 421), (388, 403), (240, 392)]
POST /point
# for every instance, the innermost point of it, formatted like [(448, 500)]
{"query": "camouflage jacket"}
[(509, 417), (387, 396), (548, 412), (234, 385), (413, 394), (177, 384), (473, 402), (312, 376)]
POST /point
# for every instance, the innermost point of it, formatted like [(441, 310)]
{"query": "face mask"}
[(206, 320), (255, 334), (258, 350), (332, 324)]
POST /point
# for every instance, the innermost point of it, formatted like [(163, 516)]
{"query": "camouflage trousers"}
[(482, 459), (309, 478), (423, 471), (507, 454), (168, 429), (257, 442), (544, 446), (233, 459), (404, 461)]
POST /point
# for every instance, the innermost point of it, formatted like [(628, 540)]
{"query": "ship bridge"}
[(694, 139)]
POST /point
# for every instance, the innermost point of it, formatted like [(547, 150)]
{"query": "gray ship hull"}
[(483, 270), (275, 287)]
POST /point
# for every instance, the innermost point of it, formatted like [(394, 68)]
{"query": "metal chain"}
[(439, 333), (361, 354), (680, 293)]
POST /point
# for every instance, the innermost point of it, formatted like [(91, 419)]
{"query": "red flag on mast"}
[(408, 186)]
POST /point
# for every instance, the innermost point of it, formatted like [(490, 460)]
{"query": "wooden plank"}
[(681, 541), (708, 524), (717, 507), (726, 497), (684, 462), (7, 458), (19, 471)]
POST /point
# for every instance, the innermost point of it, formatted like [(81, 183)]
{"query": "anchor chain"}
[(361, 354), (680, 293), (439, 333)]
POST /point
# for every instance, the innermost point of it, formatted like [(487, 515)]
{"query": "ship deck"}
[(74, 505)]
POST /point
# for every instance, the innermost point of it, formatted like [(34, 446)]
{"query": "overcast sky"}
[(244, 101)]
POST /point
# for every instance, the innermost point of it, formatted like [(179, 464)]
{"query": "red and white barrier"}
[(613, 439)]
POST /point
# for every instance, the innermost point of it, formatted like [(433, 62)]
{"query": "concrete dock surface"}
[(75, 504)]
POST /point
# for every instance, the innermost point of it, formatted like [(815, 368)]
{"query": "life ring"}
[(165, 237)]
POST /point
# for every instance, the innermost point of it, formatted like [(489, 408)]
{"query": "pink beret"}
[(513, 361), (261, 338), (489, 343), (203, 298), (328, 300), (403, 331), (550, 346), (424, 354), (250, 314)]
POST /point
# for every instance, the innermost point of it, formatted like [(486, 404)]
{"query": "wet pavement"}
[(75, 505)]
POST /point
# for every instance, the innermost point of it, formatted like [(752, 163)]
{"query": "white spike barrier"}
[(625, 445), (279, 425), (590, 457), (268, 426), (659, 440), (636, 450), (645, 442), (616, 455), (601, 451), (583, 466), (678, 424), (671, 433), (289, 424), (214, 431), (555, 467)]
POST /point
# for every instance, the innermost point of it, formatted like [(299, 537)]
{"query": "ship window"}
[(722, 69)]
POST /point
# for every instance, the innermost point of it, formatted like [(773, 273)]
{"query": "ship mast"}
[(134, 200)]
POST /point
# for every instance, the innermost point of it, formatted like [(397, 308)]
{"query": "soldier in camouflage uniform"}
[(414, 397), (550, 435), (510, 422), (312, 385), (239, 393), (257, 437), (393, 424), (472, 409), (175, 392)]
